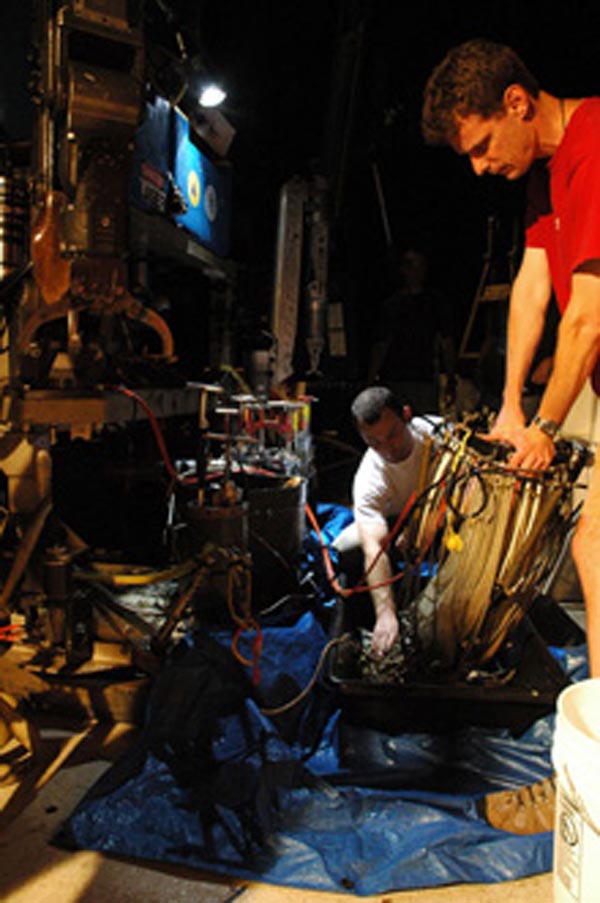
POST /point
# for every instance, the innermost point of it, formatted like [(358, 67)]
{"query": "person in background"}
[(483, 102), (387, 476), (413, 349)]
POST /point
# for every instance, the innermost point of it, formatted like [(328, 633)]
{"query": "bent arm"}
[(578, 344), (377, 357), (577, 351)]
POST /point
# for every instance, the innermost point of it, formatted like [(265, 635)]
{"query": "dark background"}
[(334, 87), (284, 60)]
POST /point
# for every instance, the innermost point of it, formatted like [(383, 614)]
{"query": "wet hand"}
[(385, 633)]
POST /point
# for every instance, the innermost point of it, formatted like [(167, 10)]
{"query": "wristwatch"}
[(550, 427)]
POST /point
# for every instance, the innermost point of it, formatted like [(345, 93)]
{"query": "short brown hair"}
[(369, 405), (472, 78)]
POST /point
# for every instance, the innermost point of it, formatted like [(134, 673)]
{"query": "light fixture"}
[(211, 95)]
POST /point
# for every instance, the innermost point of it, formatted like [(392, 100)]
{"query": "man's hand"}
[(385, 632), (534, 450)]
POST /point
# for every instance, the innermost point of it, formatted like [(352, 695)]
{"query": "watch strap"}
[(550, 427)]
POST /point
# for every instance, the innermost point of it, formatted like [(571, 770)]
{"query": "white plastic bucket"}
[(576, 758)]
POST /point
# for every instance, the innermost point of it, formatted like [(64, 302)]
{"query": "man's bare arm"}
[(530, 295), (577, 351), (385, 631)]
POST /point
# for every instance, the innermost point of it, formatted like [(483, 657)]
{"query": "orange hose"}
[(361, 586)]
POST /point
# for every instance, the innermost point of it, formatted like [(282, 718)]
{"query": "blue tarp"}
[(223, 787)]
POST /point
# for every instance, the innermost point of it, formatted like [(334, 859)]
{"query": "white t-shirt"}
[(381, 490)]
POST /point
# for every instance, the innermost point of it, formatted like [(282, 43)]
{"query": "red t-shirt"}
[(563, 210)]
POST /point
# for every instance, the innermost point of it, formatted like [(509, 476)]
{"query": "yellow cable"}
[(452, 540), (139, 579)]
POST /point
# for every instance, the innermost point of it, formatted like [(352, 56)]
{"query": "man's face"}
[(388, 436), (501, 145)]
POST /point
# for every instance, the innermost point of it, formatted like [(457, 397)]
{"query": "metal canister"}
[(225, 525)]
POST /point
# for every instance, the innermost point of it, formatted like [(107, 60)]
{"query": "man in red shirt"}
[(483, 102)]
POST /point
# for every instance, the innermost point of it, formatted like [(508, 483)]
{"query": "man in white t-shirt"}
[(387, 476)]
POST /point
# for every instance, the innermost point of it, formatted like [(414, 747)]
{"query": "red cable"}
[(157, 434), (361, 586), (258, 640)]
